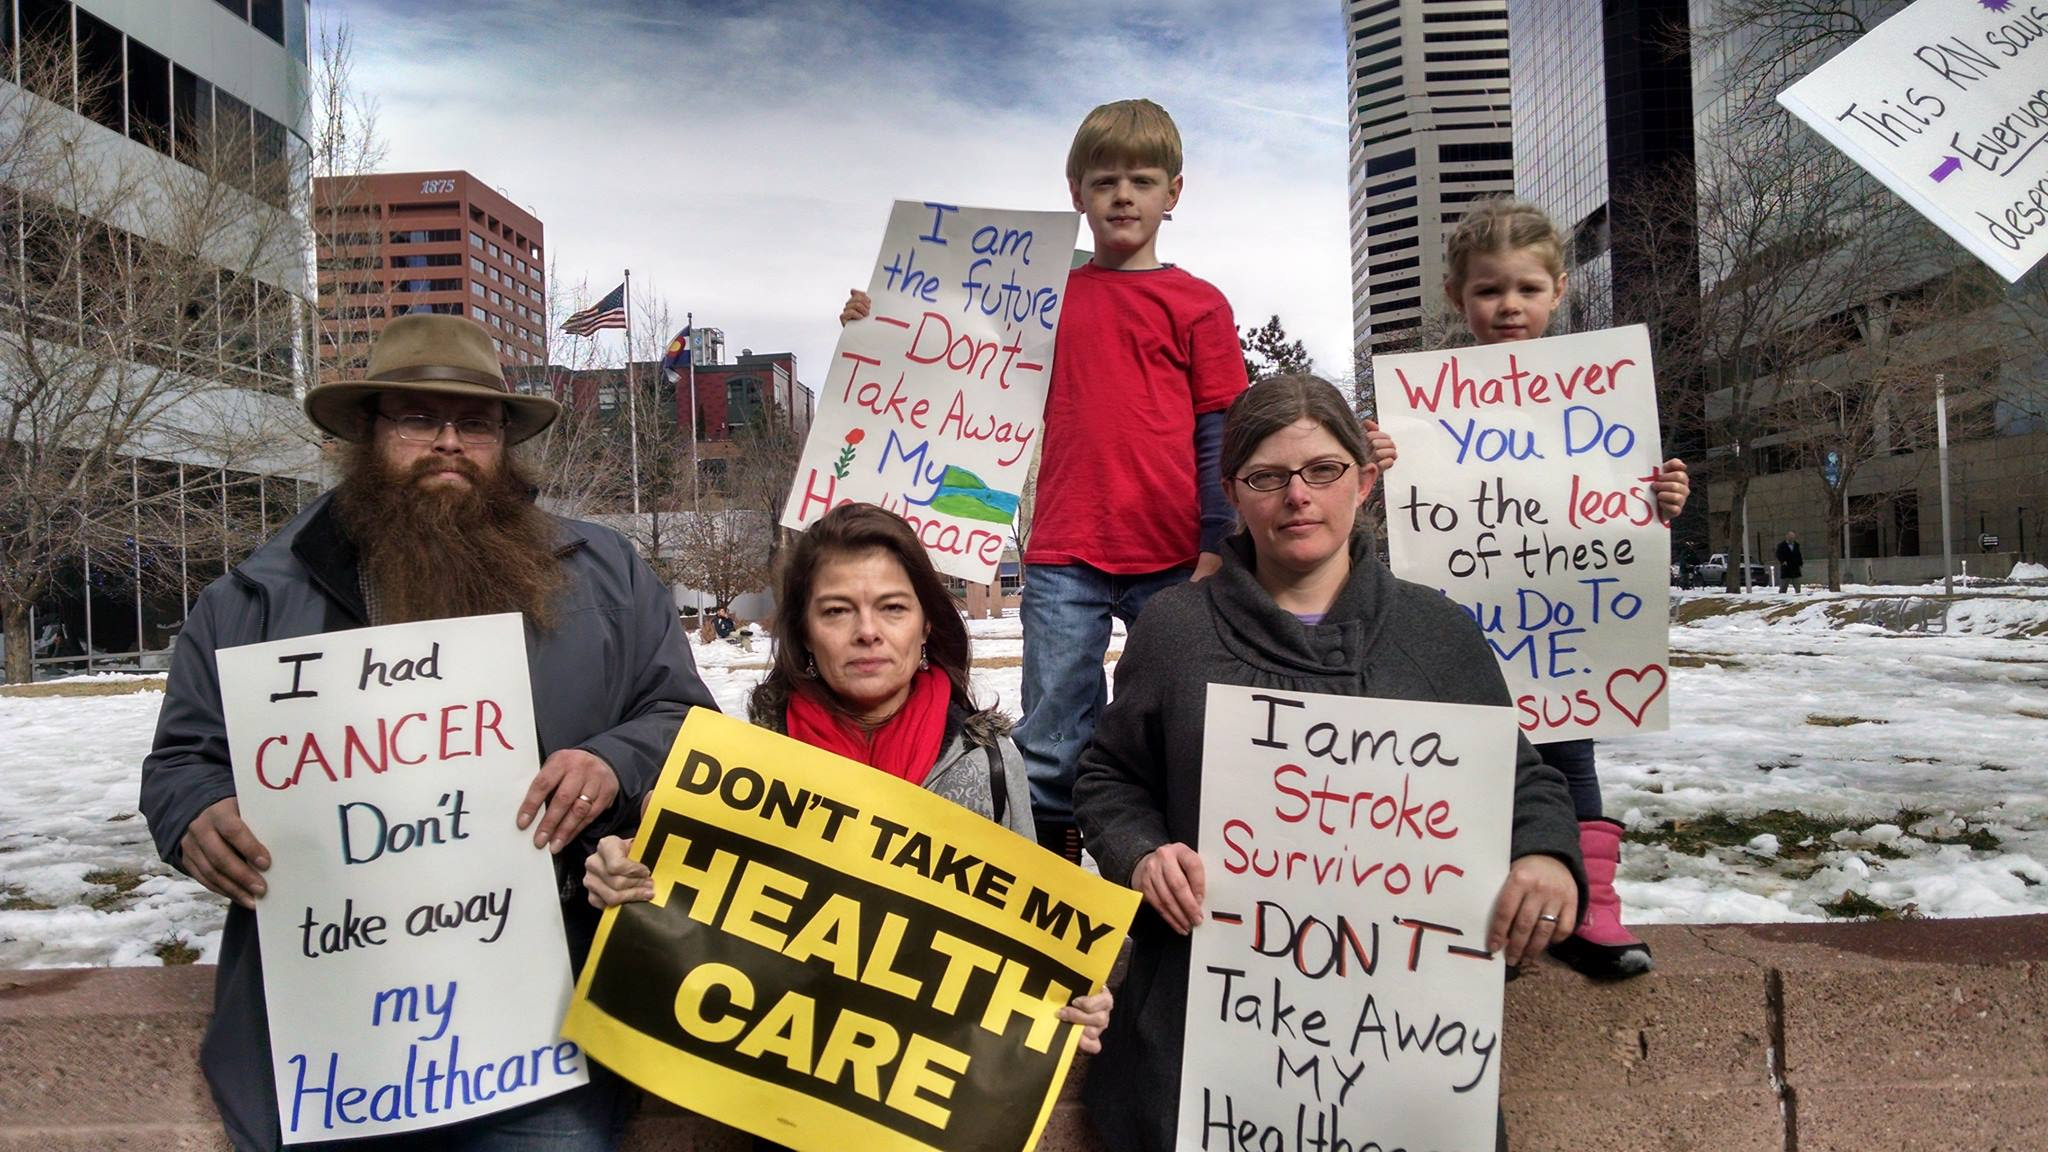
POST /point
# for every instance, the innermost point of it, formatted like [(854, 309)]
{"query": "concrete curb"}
[(1926, 1035)]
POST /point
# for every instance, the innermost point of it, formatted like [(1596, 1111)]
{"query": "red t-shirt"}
[(1138, 356)]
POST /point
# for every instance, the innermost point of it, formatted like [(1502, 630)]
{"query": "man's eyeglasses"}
[(1320, 474), (421, 428)]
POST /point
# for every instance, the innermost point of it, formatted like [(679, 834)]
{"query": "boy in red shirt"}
[(1129, 500)]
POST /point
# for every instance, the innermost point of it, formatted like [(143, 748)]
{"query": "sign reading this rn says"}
[(933, 404), (835, 958), (1524, 492), (414, 965), (1947, 103), (1340, 994)]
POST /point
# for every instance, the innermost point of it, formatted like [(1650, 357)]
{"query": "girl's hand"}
[(1538, 906), (1379, 447), (1672, 486), (611, 875), (858, 305), (1170, 878), (1092, 1014)]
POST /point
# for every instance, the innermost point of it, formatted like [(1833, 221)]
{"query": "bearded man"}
[(433, 519)]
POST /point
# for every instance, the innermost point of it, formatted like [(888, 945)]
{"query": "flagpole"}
[(632, 402), (690, 361)]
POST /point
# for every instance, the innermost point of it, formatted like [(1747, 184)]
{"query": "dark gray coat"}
[(1140, 785), (613, 677)]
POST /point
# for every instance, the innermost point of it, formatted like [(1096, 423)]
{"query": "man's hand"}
[(575, 786), (1206, 565), (611, 875), (858, 305), (1170, 877), (1538, 906), (220, 852), (1380, 447), (1672, 486)]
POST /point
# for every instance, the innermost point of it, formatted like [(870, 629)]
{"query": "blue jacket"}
[(613, 677)]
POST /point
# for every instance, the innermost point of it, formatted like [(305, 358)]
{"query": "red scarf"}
[(906, 745)]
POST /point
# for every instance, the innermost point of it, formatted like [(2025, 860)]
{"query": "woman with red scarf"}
[(871, 663)]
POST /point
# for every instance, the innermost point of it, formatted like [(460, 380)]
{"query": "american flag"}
[(609, 312)]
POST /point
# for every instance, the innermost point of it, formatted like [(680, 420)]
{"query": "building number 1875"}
[(436, 187)]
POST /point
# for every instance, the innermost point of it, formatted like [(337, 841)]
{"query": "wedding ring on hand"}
[(1546, 917), (586, 800)]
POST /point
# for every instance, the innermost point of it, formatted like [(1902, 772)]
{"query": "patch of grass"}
[(176, 951), (1688, 660), (1819, 720), (14, 900), (2027, 880), (1800, 836), (1978, 839), (121, 880), (118, 817), (1774, 765), (86, 688), (1708, 607), (1916, 759), (1993, 768), (2032, 713), (1855, 905)]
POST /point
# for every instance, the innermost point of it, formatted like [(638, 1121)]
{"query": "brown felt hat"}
[(428, 352)]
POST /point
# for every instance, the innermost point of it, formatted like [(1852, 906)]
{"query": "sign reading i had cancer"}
[(1523, 491), (835, 958), (934, 402), (1947, 103), (414, 966), (1340, 994)]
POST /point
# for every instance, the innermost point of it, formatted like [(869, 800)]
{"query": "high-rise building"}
[(1430, 133), (399, 242), (1602, 110), (156, 285)]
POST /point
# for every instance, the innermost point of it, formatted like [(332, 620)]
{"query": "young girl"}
[(1505, 275)]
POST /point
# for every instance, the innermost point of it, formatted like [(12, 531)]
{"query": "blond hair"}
[(1501, 224), (1136, 132)]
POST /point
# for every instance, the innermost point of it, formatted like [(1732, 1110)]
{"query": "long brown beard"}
[(432, 554)]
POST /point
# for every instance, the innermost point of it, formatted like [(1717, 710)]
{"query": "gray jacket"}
[(1140, 786), (979, 767), (613, 677)]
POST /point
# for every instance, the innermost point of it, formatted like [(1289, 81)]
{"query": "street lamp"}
[(1948, 567)]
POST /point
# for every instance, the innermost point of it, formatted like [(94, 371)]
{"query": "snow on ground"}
[(1819, 746)]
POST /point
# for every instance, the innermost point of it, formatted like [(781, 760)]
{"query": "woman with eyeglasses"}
[(1300, 604)]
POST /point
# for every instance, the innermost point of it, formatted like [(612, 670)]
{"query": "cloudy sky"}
[(741, 157)]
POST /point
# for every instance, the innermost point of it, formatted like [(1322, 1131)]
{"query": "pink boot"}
[(1602, 948)]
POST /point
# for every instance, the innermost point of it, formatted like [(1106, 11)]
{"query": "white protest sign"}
[(414, 966), (1947, 103), (1523, 491), (933, 404), (1339, 988)]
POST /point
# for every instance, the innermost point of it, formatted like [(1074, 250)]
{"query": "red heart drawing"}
[(1638, 678)]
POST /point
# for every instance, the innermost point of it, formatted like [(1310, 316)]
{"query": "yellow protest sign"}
[(836, 958)]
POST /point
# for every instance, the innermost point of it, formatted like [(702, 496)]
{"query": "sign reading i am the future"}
[(1947, 103), (414, 965), (933, 403), (836, 958), (1523, 491), (1340, 994)]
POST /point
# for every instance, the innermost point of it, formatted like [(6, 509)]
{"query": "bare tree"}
[(723, 554), (145, 314)]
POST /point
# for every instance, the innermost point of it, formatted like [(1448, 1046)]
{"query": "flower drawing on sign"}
[(841, 466)]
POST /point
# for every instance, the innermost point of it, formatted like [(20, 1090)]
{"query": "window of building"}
[(477, 313), (267, 16), (476, 241), (100, 95), (1475, 152), (149, 96), (477, 287), (234, 150), (46, 36)]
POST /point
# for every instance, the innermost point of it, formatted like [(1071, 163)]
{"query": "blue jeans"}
[(591, 1118), (1066, 613), (1574, 758)]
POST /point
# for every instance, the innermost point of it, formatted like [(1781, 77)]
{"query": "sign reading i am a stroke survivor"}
[(414, 966), (1523, 491), (1340, 994), (1947, 103), (933, 404), (835, 958)]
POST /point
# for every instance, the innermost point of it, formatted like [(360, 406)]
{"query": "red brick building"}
[(398, 242)]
